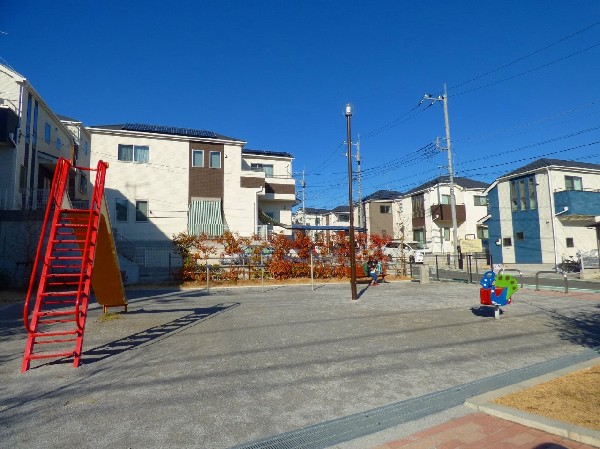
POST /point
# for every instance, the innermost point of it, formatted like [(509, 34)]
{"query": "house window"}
[(197, 158), (141, 211), (445, 199), (83, 184), (86, 147), (570, 242), (513, 196), (215, 159), (573, 183), (47, 132), (344, 217), (522, 197), (121, 206), (482, 233), (446, 234), (480, 200), (134, 153), (506, 241), (35, 123), (58, 144), (418, 208), (419, 235), (385, 209), (532, 194), (317, 221), (520, 236), (266, 168)]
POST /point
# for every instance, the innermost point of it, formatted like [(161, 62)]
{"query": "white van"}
[(413, 251)]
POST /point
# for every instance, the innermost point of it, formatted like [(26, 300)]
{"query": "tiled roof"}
[(543, 163), (159, 129), (341, 209), (383, 195), (466, 183), (267, 153)]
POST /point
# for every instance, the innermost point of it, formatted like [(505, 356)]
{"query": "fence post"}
[(470, 268), (207, 278), (437, 269), (312, 272), (262, 273)]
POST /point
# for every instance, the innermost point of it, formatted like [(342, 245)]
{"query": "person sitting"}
[(373, 265)]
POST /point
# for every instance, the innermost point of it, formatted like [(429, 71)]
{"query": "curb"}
[(576, 433)]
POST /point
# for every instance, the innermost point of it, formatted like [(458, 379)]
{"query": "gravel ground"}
[(192, 369)]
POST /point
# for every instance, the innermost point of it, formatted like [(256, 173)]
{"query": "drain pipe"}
[(552, 217)]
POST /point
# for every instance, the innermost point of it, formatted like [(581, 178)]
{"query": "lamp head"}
[(348, 110)]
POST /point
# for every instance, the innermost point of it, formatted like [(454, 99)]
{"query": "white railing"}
[(25, 199)]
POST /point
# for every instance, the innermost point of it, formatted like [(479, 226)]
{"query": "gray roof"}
[(466, 183), (341, 209), (267, 153), (315, 211), (172, 130), (383, 195), (543, 163)]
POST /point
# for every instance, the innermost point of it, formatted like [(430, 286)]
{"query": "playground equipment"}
[(76, 252), (497, 291)]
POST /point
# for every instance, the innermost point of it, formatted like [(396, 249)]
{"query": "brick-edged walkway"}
[(481, 431)]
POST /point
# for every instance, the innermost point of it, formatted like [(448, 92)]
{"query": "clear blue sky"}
[(279, 73)]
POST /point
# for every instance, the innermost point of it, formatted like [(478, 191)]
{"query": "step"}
[(51, 355), (73, 225), (57, 313), (56, 242), (54, 334), (55, 302), (45, 322), (56, 340)]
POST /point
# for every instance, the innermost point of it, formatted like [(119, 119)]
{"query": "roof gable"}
[(170, 130)]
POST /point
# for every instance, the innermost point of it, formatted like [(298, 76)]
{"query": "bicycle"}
[(569, 265)]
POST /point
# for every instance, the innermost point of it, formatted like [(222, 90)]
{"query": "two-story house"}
[(375, 213), (32, 138), (166, 180), (425, 212), (544, 211)]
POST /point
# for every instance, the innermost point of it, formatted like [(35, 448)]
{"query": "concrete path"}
[(191, 369)]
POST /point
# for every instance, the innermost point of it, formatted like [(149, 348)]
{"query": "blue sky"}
[(523, 78)]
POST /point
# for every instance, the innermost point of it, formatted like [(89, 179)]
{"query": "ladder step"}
[(56, 340), (65, 293), (68, 241), (63, 275), (77, 211), (51, 322), (54, 334), (51, 355), (73, 225), (57, 313), (57, 302), (66, 257)]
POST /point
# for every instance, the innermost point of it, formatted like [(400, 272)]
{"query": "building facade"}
[(164, 180), (424, 214), (377, 213), (544, 211)]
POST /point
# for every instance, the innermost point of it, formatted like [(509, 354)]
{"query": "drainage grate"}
[(339, 430)]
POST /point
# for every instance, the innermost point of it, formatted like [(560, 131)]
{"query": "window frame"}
[(446, 199), (572, 181), (507, 241), (47, 133), (210, 159), (570, 242), (480, 200), (520, 235), (532, 193), (134, 152), (194, 152), (124, 204), (514, 205), (383, 209), (139, 213), (522, 195)]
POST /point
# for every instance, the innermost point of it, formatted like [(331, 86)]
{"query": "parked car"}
[(413, 251), (234, 259)]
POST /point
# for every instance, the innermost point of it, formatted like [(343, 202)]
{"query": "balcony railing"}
[(577, 202), (25, 199)]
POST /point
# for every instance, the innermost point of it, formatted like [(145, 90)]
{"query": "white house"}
[(165, 180), (544, 211), (424, 214), (32, 138)]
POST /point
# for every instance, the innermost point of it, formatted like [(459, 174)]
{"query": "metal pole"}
[(207, 278), (312, 272), (450, 172), (351, 227)]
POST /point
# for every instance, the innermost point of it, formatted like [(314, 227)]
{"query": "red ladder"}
[(62, 271)]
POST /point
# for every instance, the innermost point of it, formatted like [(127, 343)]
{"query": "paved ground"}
[(191, 369)]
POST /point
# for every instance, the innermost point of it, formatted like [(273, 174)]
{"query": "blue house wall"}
[(494, 228)]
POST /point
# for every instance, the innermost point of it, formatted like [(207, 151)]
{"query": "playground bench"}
[(360, 274)]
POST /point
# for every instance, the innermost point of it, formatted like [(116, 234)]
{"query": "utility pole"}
[(303, 199), (444, 100), (361, 218)]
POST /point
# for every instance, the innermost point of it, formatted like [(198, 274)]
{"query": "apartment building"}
[(424, 214), (544, 211), (166, 180)]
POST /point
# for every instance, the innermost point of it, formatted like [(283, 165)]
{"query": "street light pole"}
[(351, 227)]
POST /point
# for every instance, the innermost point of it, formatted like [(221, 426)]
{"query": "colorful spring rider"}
[(497, 291)]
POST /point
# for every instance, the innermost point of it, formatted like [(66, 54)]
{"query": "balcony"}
[(9, 121), (581, 205), (442, 213)]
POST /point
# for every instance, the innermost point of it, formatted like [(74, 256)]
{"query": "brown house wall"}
[(205, 181)]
